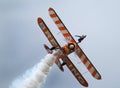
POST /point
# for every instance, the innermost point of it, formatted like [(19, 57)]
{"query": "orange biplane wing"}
[(78, 50), (87, 63), (47, 33)]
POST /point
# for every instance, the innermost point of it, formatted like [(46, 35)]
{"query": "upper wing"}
[(76, 73), (79, 51), (47, 32), (87, 63), (60, 24)]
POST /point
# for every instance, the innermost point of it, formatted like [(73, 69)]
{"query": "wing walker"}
[(70, 47)]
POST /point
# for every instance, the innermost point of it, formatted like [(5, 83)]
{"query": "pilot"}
[(80, 38)]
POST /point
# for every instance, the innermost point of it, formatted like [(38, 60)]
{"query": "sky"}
[(21, 39)]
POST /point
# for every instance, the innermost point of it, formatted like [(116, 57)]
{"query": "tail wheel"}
[(71, 46)]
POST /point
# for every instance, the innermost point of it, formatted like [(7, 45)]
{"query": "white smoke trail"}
[(35, 77)]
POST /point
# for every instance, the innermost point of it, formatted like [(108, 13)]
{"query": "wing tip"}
[(85, 84), (50, 9), (39, 20), (99, 78)]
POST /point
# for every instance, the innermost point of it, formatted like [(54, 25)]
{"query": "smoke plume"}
[(36, 76)]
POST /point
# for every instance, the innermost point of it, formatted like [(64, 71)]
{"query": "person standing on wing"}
[(80, 38)]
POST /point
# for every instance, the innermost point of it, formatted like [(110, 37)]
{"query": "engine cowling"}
[(71, 46)]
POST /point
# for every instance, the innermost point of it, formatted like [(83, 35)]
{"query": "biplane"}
[(70, 47)]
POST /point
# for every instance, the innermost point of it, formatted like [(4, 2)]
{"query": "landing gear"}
[(64, 63)]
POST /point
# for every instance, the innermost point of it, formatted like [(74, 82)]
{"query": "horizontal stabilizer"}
[(48, 49)]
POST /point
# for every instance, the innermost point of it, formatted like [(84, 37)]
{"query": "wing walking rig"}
[(71, 46)]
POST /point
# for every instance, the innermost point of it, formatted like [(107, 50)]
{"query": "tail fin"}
[(48, 49)]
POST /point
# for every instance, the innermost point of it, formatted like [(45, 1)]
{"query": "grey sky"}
[(21, 40)]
